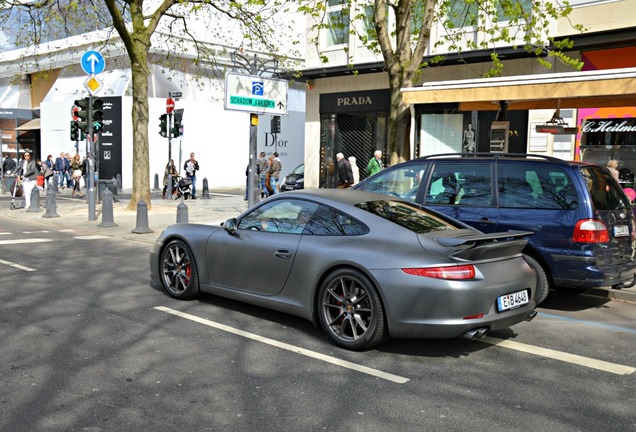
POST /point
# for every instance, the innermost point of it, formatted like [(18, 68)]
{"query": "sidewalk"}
[(221, 205), (73, 212)]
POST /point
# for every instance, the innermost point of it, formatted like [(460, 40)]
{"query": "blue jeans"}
[(273, 182), (194, 185), (263, 185)]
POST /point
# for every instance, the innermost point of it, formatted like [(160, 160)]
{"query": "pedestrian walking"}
[(274, 173), (375, 163), (354, 169), (191, 167), (345, 175), (28, 172), (76, 170), (170, 174)]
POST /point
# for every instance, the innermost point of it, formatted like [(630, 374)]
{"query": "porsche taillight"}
[(461, 272), (590, 231)]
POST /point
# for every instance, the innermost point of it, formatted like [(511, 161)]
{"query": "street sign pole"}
[(91, 192), (257, 95)]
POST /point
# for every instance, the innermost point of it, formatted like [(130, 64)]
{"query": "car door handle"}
[(486, 220), (283, 254)]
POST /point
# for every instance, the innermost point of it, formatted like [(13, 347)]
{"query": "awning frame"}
[(613, 87)]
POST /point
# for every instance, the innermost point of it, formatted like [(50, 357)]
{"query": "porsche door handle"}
[(283, 254)]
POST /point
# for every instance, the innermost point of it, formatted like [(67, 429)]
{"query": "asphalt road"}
[(88, 345)]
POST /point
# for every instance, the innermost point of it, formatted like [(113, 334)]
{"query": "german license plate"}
[(621, 230), (512, 300)]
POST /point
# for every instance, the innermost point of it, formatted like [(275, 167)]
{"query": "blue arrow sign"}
[(93, 62)]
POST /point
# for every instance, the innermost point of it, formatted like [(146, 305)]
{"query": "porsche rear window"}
[(411, 217)]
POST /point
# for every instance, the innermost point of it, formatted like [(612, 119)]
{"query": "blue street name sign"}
[(93, 62)]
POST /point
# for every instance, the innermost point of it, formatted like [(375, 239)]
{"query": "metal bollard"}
[(115, 189), (51, 206), (169, 189), (156, 182), (182, 213), (35, 200), (142, 218), (118, 178), (107, 210), (206, 192), (56, 188)]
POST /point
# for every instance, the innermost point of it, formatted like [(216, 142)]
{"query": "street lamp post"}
[(255, 67)]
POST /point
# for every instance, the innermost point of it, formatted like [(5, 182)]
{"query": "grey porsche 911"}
[(363, 266)]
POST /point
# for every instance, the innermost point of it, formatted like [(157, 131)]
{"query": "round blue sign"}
[(93, 62)]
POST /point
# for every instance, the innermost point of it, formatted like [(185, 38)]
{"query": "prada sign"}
[(355, 102)]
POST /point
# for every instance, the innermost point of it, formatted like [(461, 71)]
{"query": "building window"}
[(337, 31), (506, 9), (462, 13)]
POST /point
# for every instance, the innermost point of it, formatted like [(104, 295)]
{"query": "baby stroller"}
[(182, 188), (16, 192)]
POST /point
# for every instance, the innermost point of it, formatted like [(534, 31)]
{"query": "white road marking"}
[(66, 230), (562, 356), (91, 237), (24, 241), (18, 266), (5, 233), (338, 362), (35, 232)]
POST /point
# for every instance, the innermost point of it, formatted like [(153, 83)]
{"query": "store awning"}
[(30, 125), (613, 87)]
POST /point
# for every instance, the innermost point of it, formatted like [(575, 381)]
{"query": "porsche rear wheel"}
[(178, 271), (350, 310)]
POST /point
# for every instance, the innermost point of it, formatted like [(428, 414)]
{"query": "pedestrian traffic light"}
[(97, 115), (83, 114), (176, 130), (163, 125), (275, 126)]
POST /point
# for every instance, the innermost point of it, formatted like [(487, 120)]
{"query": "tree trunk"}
[(399, 125), (141, 164)]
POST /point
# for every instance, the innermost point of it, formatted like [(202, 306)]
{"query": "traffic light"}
[(97, 115), (275, 126), (83, 114), (176, 130), (163, 125), (75, 132), (176, 127)]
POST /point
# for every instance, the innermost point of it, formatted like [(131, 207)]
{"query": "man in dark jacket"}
[(345, 174), (8, 166)]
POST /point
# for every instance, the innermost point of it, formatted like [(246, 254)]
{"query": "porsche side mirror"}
[(230, 226)]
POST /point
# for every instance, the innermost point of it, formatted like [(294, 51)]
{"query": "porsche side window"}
[(281, 216), (328, 221)]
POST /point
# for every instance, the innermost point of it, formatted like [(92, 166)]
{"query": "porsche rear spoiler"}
[(468, 245)]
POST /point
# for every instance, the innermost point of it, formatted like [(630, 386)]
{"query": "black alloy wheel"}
[(350, 310), (178, 271)]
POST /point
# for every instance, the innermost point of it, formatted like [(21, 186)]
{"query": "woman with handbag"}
[(76, 170)]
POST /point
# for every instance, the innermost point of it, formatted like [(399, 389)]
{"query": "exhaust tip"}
[(475, 334), (532, 315)]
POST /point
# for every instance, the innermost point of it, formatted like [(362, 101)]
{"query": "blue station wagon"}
[(582, 221)]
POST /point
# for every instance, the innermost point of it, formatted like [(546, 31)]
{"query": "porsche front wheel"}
[(178, 271)]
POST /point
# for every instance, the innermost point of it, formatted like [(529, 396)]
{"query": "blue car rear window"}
[(409, 216)]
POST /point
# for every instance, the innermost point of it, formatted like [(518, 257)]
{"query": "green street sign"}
[(255, 94)]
